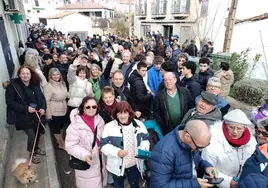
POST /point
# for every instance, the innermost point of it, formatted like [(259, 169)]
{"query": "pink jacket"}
[(78, 143)]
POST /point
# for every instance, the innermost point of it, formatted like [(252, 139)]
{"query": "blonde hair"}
[(31, 60), (51, 71)]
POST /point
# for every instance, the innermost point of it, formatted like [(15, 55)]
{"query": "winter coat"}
[(193, 85), (105, 114), (56, 94), (209, 118), (63, 68), (220, 152), (112, 143), (257, 163), (203, 78), (161, 112), (191, 50), (19, 103), (175, 55), (78, 88), (172, 163), (127, 74), (154, 79), (226, 81), (139, 92), (78, 143), (222, 105), (254, 181)]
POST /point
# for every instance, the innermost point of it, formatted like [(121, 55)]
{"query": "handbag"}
[(79, 164)]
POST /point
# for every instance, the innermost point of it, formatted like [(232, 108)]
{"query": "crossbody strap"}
[(17, 91), (95, 137)]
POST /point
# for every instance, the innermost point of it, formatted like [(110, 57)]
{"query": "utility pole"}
[(230, 26)]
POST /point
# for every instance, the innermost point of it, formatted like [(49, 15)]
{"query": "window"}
[(28, 11), (98, 14)]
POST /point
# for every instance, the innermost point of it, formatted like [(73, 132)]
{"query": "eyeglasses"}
[(239, 129), (213, 86), (197, 147), (265, 134), (91, 107)]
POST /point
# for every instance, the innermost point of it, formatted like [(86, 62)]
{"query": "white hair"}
[(213, 81)]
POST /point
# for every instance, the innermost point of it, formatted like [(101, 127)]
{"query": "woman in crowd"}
[(257, 163), (121, 157), (79, 142), (25, 98), (79, 86), (95, 80), (230, 146), (55, 58), (214, 86), (107, 103), (56, 94), (226, 75), (32, 61)]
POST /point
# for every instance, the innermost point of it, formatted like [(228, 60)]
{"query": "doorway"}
[(168, 31)]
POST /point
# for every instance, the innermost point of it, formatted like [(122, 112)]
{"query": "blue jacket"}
[(254, 164), (154, 79), (171, 163), (254, 181)]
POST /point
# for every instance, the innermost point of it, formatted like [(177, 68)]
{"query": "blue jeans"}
[(133, 177)]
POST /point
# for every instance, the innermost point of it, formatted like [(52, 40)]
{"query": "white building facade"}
[(169, 17)]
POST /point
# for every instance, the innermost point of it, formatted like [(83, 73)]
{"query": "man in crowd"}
[(190, 80), (183, 57), (205, 110), (176, 160), (205, 72), (139, 93), (171, 104), (154, 74)]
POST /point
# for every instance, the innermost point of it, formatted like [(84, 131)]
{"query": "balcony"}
[(180, 8), (159, 8), (141, 8)]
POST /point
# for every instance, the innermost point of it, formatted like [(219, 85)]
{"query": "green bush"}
[(251, 91)]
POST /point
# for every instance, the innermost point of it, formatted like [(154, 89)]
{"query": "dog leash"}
[(35, 138)]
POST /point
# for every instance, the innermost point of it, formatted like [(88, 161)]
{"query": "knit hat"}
[(209, 97), (236, 117)]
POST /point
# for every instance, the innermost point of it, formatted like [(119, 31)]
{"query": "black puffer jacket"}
[(203, 78), (161, 113), (192, 85), (139, 92), (20, 101)]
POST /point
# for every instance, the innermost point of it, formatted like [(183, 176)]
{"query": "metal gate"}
[(6, 49)]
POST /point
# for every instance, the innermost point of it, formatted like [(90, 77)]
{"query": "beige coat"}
[(55, 94), (227, 80)]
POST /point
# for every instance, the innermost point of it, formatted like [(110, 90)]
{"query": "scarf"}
[(111, 107), (236, 142), (120, 92), (89, 120)]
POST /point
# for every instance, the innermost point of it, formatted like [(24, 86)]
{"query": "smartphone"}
[(214, 181)]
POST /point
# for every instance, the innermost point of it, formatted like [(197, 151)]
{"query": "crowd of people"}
[(104, 91)]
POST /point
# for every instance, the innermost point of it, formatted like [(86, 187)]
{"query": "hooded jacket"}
[(139, 92), (193, 85), (78, 88), (203, 78), (78, 143), (112, 143), (172, 163), (209, 118), (257, 163), (56, 94), (220, 153)]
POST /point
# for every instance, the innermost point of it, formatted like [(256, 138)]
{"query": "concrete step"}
[(46, 170)]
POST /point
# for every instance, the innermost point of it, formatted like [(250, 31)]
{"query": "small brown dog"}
[(22, 173)]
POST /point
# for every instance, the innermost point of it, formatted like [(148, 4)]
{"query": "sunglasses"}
[(91, 107), (197, 147), (265, 134)]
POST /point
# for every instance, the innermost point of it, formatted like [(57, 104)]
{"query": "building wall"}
[(169, 20)]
